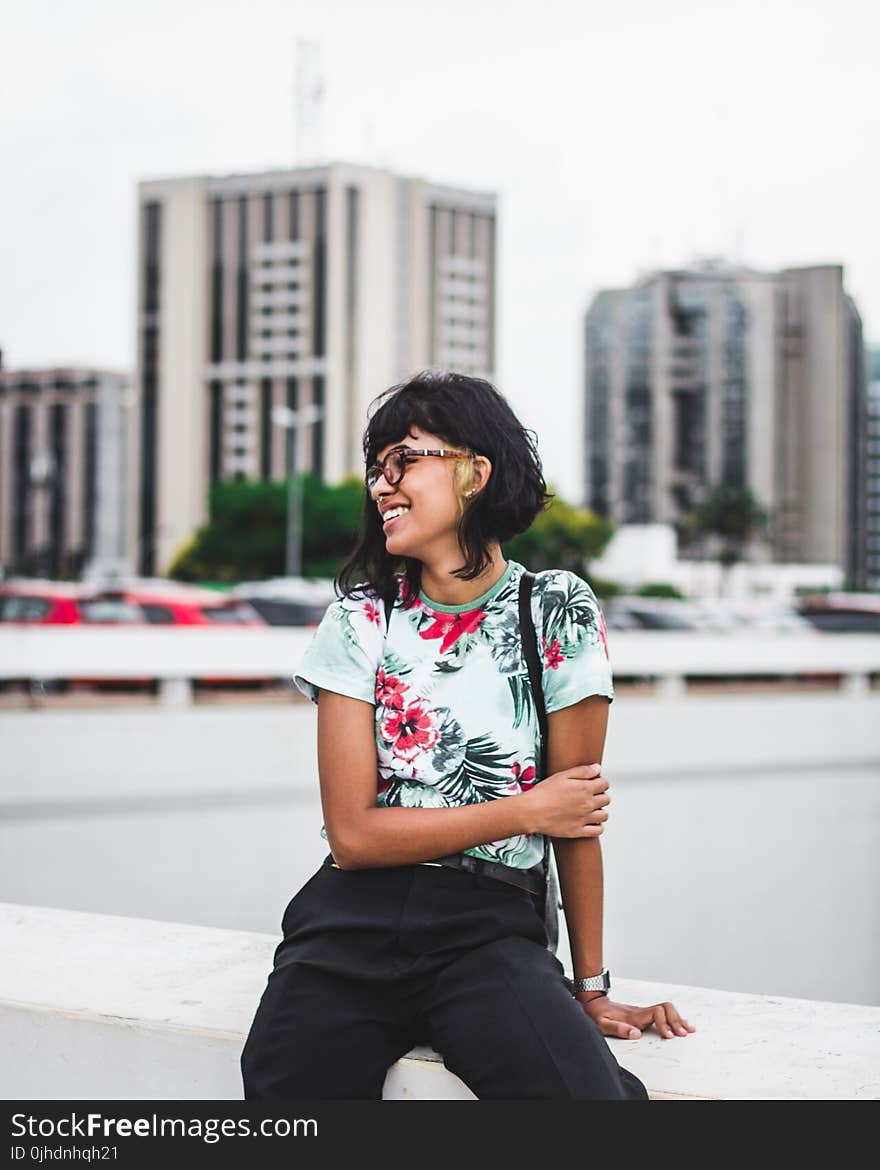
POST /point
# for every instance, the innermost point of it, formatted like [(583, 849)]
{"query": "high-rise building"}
[(314, 287), (720, 375), (63, 471), (872, 474)]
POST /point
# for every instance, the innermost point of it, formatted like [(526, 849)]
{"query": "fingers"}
[(619, 1028), (613, 1026), (668, 1022), (679, 1025)]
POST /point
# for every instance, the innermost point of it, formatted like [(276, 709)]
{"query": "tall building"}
[(720, 375), (872, 474), (317, 286), (63, 471)]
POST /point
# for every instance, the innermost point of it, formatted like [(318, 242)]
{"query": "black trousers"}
[(375, 961)]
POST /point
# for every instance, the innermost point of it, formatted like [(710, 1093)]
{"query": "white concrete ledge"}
[(165, 652), (97, 1007)]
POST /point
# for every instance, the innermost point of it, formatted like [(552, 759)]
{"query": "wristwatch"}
[(600, 982)]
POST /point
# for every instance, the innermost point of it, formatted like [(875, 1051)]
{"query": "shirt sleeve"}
[(345, 650), (573, 640)]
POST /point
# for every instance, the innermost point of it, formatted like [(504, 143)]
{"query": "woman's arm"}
[(578, 733), (362, 835), (575, 734)]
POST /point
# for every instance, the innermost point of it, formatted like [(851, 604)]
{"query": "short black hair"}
[(465, 412)]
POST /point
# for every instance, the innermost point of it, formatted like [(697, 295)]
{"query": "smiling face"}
[(426, 526)]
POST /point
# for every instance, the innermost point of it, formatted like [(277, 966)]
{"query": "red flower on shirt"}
[(552, 654), (603, 633), (411, 731), (371, 612), (451, 626), (389, 690), (525, 777)]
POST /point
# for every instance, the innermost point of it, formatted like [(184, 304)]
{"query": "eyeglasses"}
[(394, 465)]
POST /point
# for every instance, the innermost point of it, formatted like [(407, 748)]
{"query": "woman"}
[(421, 926)]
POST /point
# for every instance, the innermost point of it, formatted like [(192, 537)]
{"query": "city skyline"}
[(633, 138)]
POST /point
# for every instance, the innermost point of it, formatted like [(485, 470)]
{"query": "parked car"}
[(842, 612), (35, 601), (630, 612), (175, 603), (288, 601)]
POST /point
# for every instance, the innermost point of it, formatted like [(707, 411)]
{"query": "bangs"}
[(395, 417)]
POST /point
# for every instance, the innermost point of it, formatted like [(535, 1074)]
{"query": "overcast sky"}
[(620, 136)]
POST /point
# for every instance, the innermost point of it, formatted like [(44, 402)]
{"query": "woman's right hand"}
[(570, 803)]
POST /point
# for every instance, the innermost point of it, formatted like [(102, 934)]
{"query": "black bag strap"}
[(552, 902), (530, 650)]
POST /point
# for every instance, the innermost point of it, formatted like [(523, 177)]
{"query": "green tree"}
[(562, 537), (246, 536), (730, 515), (659, 589)]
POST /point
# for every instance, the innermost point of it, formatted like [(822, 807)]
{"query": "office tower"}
[(314, 287), (63, 471), (720, 375)]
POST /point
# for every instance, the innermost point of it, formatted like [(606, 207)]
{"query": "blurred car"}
[(131, 601), (36, 601), (630, 612), (162, 602), (288, 601), (842, 612)]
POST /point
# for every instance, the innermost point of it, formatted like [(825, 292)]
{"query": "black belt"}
[(531, 880)]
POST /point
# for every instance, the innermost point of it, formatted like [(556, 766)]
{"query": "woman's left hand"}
[(628, 1022)]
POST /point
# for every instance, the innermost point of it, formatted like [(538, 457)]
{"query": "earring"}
[(471, 492)]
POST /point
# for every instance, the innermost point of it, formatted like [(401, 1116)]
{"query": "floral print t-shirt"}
[(455, 719)]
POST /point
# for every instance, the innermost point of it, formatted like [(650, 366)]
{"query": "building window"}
[(320, 252), (217, 281), (241, 302)]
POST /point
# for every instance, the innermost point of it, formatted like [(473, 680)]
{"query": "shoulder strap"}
[(551, 900), (530, 650)]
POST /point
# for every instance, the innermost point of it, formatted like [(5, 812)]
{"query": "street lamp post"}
[(292, 420)]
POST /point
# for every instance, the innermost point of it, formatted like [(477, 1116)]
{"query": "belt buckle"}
[(470, 864)]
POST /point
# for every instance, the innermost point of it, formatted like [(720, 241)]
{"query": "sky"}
[(620, 137)]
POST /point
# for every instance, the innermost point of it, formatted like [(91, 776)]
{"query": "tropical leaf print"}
[(523, 850), (411, 794), (393, 664), (484, 773), (505, 640), (454, 659), (343, 616), (451, 746), (570, 613), (523, 700)]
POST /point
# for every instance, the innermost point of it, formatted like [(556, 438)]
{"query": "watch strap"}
[(600, 982)]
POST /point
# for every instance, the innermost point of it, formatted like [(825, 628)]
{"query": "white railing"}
[(177, 655), (146, 1010)]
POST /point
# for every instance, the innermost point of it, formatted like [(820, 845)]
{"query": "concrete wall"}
[(103, 1007)]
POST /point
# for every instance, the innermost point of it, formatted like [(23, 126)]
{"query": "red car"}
[(25, 601), (33, 601), (173, 603)]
